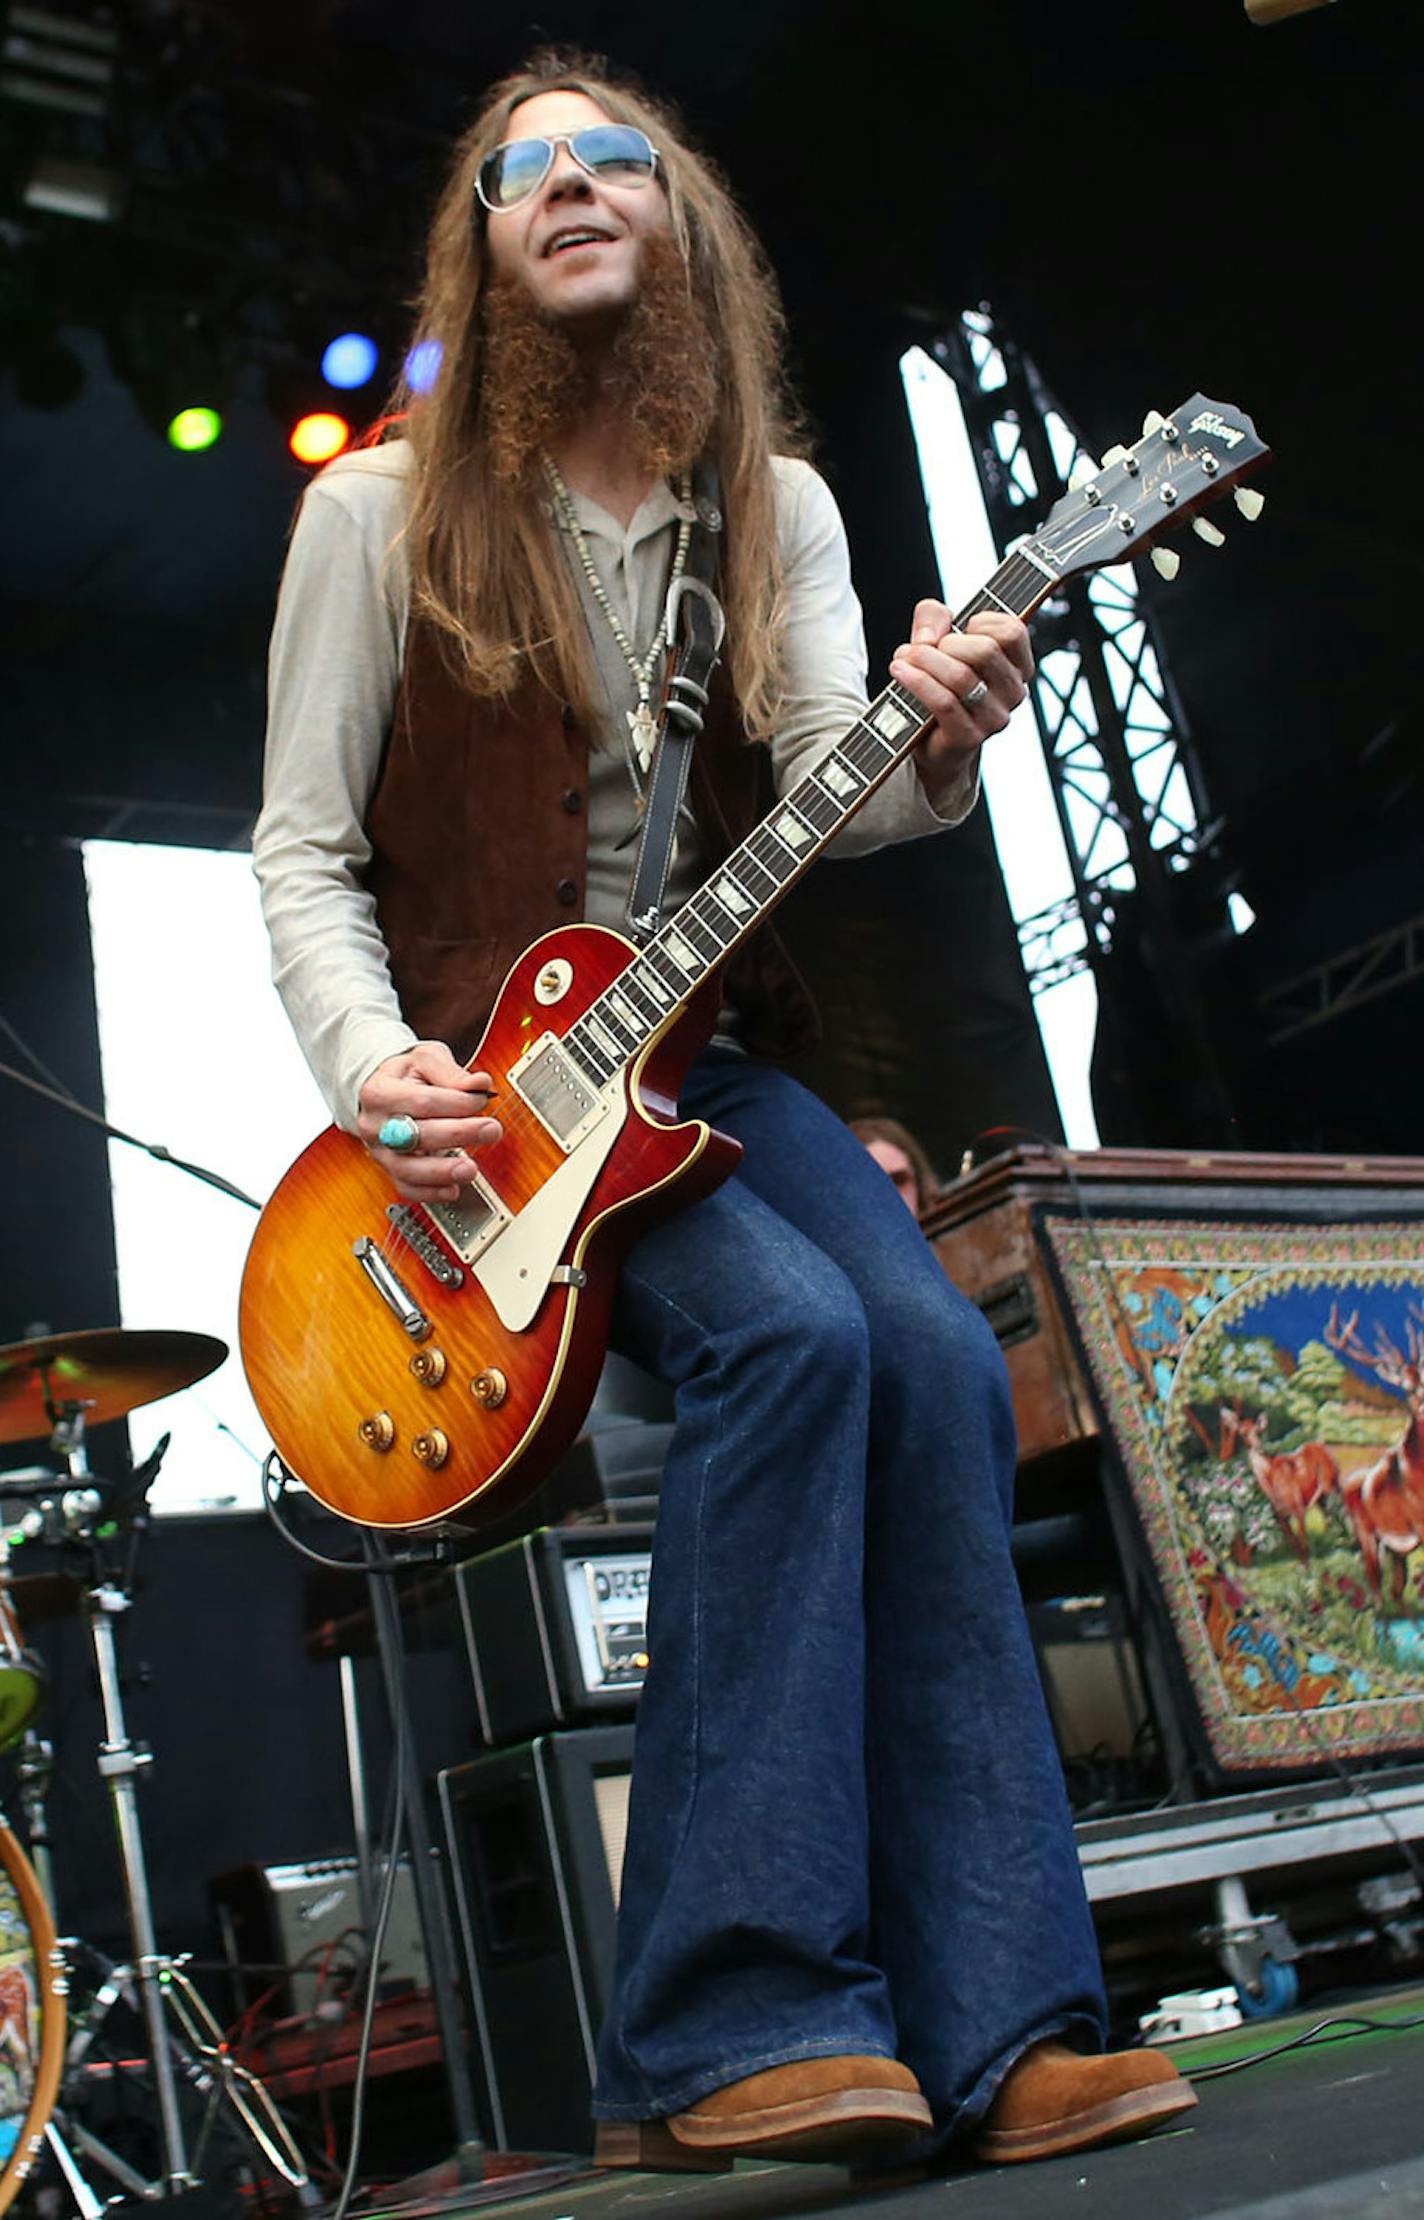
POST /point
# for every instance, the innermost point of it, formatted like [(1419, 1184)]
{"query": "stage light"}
[(350, 361), (316, 438), (422, 365), (191, 430)]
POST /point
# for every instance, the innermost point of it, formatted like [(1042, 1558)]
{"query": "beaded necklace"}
[(642, 724)]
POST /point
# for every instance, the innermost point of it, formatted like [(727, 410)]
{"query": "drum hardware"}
[(200, 2056), (71, 1381), (35, 1766), (22, 1674)]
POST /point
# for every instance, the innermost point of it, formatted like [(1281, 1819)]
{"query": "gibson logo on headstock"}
[(1209, 421)]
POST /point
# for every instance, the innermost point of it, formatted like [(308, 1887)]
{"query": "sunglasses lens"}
[(615, 152), (513, 172)]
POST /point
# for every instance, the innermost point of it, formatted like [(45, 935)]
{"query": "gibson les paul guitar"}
[(425, 1363)]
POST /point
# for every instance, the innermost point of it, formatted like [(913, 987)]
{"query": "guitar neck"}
[(712, 925)]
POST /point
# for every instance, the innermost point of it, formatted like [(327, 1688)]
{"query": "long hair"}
[(485, 566)]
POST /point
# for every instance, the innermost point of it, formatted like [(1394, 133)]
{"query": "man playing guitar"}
[(852, 1917)]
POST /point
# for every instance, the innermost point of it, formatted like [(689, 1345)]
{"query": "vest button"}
[(573, 800), (567, 891), (568, 714)]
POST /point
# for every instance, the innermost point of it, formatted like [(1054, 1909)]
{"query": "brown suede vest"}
[(479, 839)]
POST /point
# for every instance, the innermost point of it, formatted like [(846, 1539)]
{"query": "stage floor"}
[(1330, 2127)]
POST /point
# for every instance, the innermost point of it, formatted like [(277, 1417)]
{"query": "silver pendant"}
[(643, 726)]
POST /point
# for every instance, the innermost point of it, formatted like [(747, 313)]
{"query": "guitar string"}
[(1013, 577)]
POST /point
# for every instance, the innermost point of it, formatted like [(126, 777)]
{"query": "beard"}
[(659, 373)]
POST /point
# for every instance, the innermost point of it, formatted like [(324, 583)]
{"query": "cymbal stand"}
[(153, 1984), (120, 1762), (35, 1766)]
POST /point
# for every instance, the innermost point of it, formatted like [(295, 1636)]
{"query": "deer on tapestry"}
[(1384, 1502), (1290, 1481)]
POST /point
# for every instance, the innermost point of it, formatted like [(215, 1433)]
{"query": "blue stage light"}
[(350, 360), (422, 365)]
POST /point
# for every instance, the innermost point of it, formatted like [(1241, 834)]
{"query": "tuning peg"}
[(1249, 502), (1208, 532), (1166, 562), (1113, 455), (1083, 472), (1152, 422)]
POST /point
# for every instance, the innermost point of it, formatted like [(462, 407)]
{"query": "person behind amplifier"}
[(901, 1158), (852, 1916)]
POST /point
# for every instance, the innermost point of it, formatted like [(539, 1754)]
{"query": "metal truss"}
[(1124, 782), (1358, 975)]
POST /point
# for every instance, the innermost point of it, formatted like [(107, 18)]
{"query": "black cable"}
[(77, 1109), (276, 1478), (373, 1974), (1334, 2030), (32, 1056)]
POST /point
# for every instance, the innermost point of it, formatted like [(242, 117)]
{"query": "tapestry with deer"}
[(1264, 1387)]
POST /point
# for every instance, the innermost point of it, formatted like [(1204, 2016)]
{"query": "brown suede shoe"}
[(827, 2110), (1053, 2099)]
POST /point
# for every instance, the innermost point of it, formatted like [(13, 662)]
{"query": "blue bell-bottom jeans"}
[(848, 1830)]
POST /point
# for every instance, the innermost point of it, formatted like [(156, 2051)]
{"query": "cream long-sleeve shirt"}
[(337, 651)]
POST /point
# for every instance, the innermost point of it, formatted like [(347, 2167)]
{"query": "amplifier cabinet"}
[(554, 1628), (534, 1839), (308, 1918), (982, 1229)]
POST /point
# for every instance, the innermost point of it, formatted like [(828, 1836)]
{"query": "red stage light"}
[(316, 438)]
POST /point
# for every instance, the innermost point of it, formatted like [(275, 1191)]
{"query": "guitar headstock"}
[(1181, 463)]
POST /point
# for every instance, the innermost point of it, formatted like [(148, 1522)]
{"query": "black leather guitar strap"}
[(695, 627)]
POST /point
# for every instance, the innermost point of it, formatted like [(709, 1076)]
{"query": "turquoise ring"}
[(400, 1134)]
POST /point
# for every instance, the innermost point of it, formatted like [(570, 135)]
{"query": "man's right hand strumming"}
[(425, 1089)]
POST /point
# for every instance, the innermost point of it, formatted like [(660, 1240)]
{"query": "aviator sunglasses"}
[(614, 153)]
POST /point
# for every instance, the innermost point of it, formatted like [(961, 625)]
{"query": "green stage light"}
[(191, 430)]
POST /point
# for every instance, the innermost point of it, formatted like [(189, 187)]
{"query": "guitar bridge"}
[(413, 1230)]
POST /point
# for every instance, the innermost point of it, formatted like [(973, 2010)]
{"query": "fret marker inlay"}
[(890, 721)]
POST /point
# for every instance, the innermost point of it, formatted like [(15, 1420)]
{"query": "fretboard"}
[(713, 923)]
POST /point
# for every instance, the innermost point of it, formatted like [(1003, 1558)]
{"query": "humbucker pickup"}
[(557, 1092)]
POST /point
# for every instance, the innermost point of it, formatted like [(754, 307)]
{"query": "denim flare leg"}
[(848, 1830)]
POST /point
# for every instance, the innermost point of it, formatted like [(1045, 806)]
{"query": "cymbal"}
[(111, 1371)]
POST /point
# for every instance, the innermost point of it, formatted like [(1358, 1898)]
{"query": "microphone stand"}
[(430, 1904)]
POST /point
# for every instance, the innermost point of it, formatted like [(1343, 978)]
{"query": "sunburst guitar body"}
[(415, 1365)]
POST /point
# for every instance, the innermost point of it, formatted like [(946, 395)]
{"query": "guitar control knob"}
[(489, 1388), (431, 1448), (428, 1365), (378, 1431)]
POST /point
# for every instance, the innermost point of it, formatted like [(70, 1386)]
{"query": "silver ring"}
[(977, 693), (399, 1134)]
